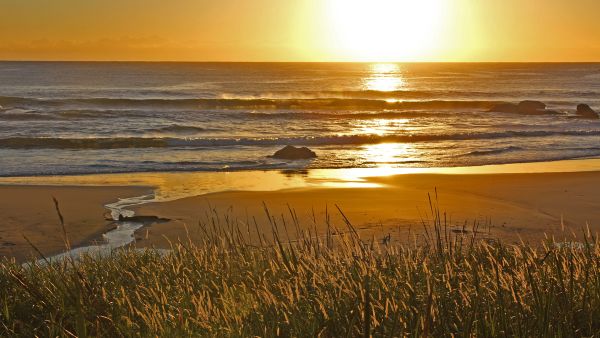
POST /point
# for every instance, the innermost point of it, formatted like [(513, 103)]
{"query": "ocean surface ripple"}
[(78, 118)]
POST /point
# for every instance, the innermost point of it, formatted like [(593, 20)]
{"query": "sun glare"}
[(386, 30), (385, 77)]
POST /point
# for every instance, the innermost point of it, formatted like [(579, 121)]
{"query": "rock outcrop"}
[(531, 107), (586, 112), (294, 153)]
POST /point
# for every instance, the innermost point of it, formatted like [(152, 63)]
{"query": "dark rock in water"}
[(532, 107), (294, 153), (510, 108), (586, 112), (524, 107)]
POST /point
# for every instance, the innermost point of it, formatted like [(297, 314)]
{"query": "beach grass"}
[(238, 282)]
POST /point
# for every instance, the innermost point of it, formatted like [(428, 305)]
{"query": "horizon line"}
[(315, 62)]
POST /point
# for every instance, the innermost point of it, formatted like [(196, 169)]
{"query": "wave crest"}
[(178, 129), (494, 151), (260, 103), (148, 142)]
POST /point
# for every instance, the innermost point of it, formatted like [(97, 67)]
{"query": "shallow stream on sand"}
[(120, 236)]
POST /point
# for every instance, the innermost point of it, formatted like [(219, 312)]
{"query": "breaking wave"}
[(156, 142), (494, 151), (178, 129), (260, 103)]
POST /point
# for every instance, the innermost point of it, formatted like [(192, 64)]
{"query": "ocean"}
[(85, 117)]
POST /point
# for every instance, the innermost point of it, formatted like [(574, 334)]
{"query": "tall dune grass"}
[(330, 285)]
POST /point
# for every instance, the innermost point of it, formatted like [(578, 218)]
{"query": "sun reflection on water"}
[(380, 127), (384, 77)]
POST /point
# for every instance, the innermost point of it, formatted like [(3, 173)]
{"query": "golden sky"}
[(300, 30)]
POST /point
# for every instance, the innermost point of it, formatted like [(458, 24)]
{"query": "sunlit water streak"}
[(385, 77)]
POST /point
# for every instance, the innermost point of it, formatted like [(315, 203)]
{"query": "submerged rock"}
[(586, 112), (294, 153), (510, 108)]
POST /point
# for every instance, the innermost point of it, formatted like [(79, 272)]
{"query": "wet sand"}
[(512, 207), (29, 211)]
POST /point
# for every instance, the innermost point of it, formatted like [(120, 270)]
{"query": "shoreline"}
[(176, 185), (379, 201)]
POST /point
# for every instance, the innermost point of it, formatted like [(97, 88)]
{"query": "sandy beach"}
[(511, 207), (507, 206), (28, 211)]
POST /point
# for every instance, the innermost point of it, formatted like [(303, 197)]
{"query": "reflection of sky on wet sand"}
[(171, 186), (175, 185), (387, 154), (359, 177)]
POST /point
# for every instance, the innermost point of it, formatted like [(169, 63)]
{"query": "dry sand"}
[(512, 207), (29, 211)]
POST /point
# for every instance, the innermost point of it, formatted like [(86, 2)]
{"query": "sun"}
[(386, 30)]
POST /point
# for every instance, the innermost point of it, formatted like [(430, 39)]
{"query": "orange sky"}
[(300, 30)]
